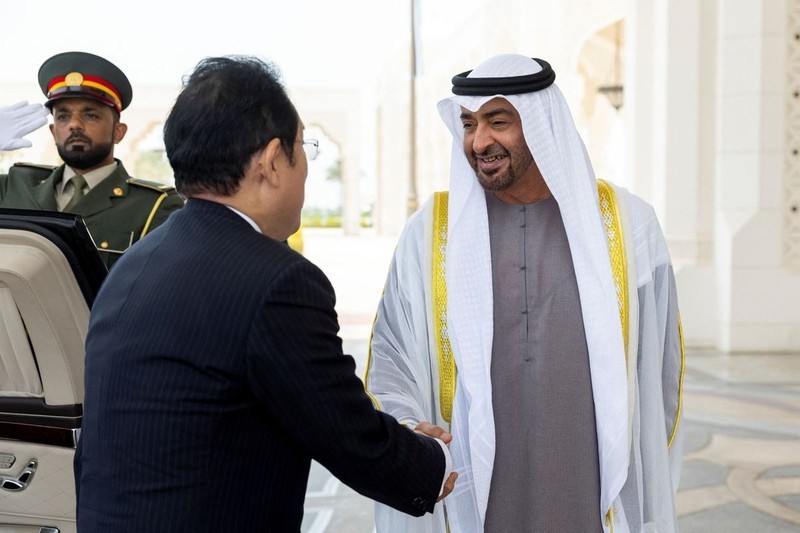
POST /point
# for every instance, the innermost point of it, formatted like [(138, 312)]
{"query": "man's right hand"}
[(448, 487), (18, 120), (432, 430)]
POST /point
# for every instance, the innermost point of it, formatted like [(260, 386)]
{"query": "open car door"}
[(50, 272)]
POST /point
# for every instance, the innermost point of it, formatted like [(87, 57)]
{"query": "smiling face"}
[(85, 132), (496, 149)]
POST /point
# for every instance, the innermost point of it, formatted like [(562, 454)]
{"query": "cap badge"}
[(73, 79)]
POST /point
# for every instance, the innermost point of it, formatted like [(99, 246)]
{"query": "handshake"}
[(18, 120), (431, 430)]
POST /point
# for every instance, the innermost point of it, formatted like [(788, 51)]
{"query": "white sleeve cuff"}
[(448, 463)]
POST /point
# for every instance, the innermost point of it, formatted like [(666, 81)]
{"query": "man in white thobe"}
[(532, 313)]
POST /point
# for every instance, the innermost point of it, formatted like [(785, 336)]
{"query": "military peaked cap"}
[(84, 75)]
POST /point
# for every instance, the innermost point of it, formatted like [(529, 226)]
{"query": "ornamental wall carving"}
[(792, 145)]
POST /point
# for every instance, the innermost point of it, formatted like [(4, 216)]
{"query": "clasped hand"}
[(431, 430)]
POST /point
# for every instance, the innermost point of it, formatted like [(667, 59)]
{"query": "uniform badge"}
[(74, 79)]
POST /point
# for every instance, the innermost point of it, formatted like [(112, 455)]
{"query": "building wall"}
[(759, 288), (708, 123)]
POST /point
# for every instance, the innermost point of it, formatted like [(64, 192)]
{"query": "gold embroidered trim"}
[(677, 421), (610, 519), (447, 366), (375, 401), (616, 251), (619, 269)]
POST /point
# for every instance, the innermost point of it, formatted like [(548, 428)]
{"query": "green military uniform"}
[(119, 211)]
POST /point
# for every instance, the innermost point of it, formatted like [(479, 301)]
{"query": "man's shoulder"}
[(639, 208), (153, 186), (31, 170), (153, 192), (38, 166), (641, 211), (433, 209)]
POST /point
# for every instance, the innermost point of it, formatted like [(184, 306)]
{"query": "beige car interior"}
[(44, 317)]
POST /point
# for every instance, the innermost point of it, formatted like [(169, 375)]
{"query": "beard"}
[(84, 157), (520, 159)]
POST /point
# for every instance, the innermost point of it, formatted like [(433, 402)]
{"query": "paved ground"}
[(741, 470)]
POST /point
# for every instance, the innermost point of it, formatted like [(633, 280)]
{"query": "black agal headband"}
[(529, 83)]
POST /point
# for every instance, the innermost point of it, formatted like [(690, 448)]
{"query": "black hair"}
[(230, 108)]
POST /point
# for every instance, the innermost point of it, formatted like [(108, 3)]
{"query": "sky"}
[(314, 42)]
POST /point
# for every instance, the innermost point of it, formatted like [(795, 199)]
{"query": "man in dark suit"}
[(214, 373), (86, 94)]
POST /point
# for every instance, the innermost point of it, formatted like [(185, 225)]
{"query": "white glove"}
[(18, 120)]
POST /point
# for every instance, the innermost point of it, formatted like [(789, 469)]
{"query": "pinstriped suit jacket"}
[(214, 374)]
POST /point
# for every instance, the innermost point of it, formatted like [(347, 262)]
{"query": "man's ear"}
[(120, 130), (270, 162)]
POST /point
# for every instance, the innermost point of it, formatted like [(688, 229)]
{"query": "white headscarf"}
[(563, 161)]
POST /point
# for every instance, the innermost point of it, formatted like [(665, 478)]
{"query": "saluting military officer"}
[(86, 94)]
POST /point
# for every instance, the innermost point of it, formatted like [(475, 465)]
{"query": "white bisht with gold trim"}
[(635, 349)]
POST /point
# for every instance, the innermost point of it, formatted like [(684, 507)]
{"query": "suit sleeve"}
[(297, 369)]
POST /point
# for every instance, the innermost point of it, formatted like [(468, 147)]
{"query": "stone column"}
[(758, 288), (669, 89)]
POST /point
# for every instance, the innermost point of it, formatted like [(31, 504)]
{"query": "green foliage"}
[(334, 172), (323, 218)]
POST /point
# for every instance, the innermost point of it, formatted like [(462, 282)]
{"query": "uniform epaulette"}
[(161, 187), (35, 165)]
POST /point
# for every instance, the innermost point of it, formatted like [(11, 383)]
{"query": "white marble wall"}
[(759, 310), (710, 146), (668, 91)]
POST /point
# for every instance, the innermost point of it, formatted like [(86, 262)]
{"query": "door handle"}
[(16, 484)]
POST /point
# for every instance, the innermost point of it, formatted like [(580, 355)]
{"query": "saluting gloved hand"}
[(18, 120)]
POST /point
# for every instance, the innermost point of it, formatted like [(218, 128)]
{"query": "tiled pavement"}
[(741, 469)]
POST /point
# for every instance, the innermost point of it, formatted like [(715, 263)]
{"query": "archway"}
[(601, 66)]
